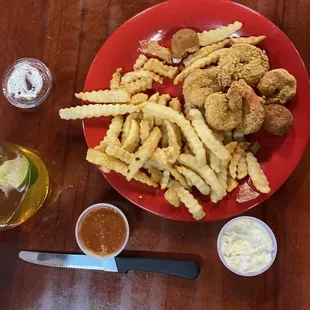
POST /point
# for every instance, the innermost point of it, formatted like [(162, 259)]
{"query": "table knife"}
[(121, 264)]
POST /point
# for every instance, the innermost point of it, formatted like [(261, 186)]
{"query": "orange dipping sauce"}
[(103, 231)]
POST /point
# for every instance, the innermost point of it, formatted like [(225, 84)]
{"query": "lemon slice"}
[(14, 173)]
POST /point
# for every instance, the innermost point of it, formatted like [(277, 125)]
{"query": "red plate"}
[(279, 155)]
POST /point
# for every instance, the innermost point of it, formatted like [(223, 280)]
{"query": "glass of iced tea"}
[(24, 184)]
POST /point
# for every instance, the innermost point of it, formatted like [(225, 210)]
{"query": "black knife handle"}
[(180, 268)]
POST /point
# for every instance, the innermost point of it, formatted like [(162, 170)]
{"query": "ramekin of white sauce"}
[(247, 246), (27, 83)]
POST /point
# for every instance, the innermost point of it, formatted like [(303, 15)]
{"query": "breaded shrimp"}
[(200, 84), (278, 86), (243, 61), (222, 114), (240, 108), (253, 113)]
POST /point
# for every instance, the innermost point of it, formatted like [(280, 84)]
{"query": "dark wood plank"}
[(66, 35)]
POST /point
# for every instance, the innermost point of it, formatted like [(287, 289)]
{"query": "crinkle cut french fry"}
[(96, 110), (214, 161), (199, 64), (175, 104), (105, 96), (205, 172), (141, 73), (219, 34), (158, 67), (155, 49), (178, 176), (133, 138), (163, 99), (189, 201), (140, 62), (156, 175), (256, 174), (144, 152), (126, 128), (159, 157), (115, 150), (165, 179), (172, 197), (206, 135), (151, 163), (138, 98), (231, 146), (139, 85), (239, 150), (204, 52), (145, 129), (231, 184), (116, 79), (173, 134), (222, 176), (164, 138), (242, 169), (172, 153), (154, 97), (188, 131), (247, 40), (114, 130), (108, 162), (194, 179)]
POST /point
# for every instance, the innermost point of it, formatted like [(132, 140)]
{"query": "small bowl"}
[(77, 227), (44, 93), (269, 232)]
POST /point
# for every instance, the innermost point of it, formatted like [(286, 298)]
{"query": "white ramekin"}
[(269, 232), (80, 219)]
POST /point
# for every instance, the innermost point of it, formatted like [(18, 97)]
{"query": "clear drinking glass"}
[(24, 184)]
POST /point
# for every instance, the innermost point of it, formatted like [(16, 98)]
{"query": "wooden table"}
[(66, 35)]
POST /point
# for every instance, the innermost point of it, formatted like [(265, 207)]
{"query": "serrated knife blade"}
[(78, 261), (181, 268)]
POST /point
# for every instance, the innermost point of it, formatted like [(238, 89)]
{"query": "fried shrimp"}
[(221, 114), (278, 86), (253, 113), (200, 84), (243, 61), (240, 108)]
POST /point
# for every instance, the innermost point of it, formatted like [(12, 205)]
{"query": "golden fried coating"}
[(278, 119), (184, 41), (243, 61), (221, 114), (155, 49), (252, 110), (278, 86), (200, 84)]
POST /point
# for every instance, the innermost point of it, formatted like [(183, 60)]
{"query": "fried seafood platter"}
[(196, 117)]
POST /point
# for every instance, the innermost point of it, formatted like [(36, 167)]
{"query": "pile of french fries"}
[(155, 140)]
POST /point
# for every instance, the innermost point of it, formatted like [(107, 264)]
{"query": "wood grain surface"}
[(66, 35)]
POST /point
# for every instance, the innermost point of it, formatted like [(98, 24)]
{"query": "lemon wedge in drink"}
[(14, 173)]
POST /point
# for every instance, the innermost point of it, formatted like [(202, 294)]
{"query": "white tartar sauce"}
[(246, 246), (25, 82)]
